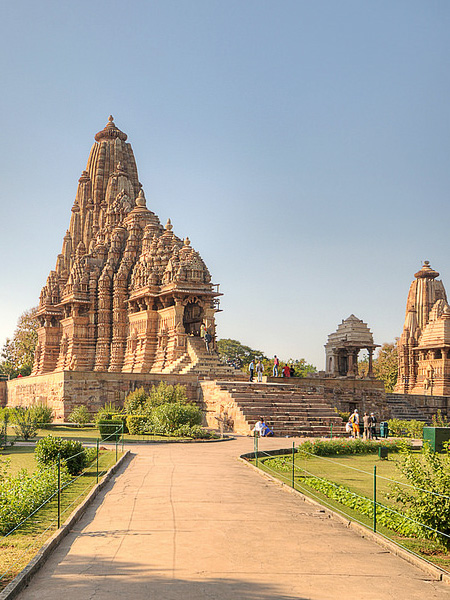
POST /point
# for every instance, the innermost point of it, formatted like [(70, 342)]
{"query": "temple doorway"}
[(192, 318)]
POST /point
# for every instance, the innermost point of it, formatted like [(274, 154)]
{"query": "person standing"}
[(367, 422), (286, 371), (355, 423), (260, 370), (251, 368), (208, 340), (276, 363), (373, 426), (202, 331)]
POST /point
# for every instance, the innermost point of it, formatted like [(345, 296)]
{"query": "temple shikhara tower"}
[(424, 346), (126, 295)]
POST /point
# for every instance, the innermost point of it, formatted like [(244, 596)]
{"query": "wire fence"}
[(55, 506), (296, 476)]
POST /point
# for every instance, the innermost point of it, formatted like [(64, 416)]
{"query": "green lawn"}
[(356, 473)]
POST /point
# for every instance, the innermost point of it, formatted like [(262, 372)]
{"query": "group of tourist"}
[(286, 371), (369, 425), (261, 429)]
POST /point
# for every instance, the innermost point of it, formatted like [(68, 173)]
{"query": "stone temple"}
[(127, 295), (344, 345), (424, 346)]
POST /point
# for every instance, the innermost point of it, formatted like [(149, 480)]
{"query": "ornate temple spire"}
[(110, 132)]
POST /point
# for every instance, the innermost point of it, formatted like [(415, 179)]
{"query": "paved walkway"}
[(190, 521)]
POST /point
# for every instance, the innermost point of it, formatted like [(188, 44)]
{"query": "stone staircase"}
[(197, 361), (404, 410), (286, 409)]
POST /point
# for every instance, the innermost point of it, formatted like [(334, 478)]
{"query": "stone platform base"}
[(64, 390)]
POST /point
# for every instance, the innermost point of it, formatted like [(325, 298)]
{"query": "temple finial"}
[(169, 225)]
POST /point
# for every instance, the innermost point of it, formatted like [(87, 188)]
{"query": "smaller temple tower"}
[(344, 345), (423, 347)]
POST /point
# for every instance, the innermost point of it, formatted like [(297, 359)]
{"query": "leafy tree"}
[(385, 366), (17, 355), (426, 498), (230, 350)]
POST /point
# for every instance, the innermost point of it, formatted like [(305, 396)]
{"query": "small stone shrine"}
[(424, 346), (126, 293), (344, 345)]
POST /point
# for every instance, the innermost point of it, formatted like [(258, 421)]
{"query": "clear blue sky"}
[(303, 147)]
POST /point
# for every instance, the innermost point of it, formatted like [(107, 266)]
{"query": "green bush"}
[(426, 501), (106, 412), (23, 422), (80, 415), (137, 424), (165, 394), (167, 418), (42, 414), (110, 429), (403, 428), (122, 417), (348, 446), (22, 494), (194, 431), (439, 420), (135, 402), (71, 452)]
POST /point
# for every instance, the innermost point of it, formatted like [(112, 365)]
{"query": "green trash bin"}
[(382, 452), (384, 429), (435, 436)]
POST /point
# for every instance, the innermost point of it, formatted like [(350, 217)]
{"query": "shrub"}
[(22, 494), (439, 420), (427, 471), (136, 401), (23, 422), (71, 452), (42, 415), (164, 394), (194, 431), (80, 415), (110, 429), (346, 446), (106, 412), (137, 424), (403, 428), (167, 418)]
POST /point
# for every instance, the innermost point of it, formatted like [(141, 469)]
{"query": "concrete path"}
[(190, 521)]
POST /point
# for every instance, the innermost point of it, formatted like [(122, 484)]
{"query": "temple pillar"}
[(370, 371)]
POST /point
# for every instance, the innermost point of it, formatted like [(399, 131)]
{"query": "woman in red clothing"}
[(286, 371)]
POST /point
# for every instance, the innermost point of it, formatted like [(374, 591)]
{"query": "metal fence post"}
[(375, 498), (256, 448), (331, 431), (59, 490), (293, 466), (115, 436), (122, 435), (97, 460)]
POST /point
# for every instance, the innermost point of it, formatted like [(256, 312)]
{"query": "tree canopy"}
[(234, 351), (17, 355), (385, 365)]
